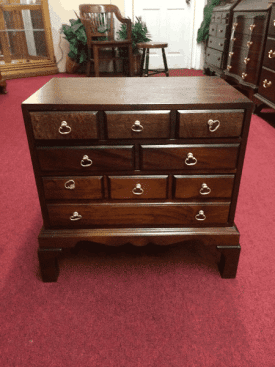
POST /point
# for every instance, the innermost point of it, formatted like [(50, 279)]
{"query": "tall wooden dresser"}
[(248, 36), (266, 91), (219, 37), (137, 160)]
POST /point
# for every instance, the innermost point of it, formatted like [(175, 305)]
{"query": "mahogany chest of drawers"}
[(137, 160)]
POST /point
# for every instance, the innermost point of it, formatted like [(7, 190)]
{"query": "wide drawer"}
[(204, 187), (217, 43), (249, 25), (195, 157), (138, 124), (138, 187), (138, 214), (269, 54), (64, 125), (210, 123), (86, 159), (267, 84), (73, 187), (214, 57)]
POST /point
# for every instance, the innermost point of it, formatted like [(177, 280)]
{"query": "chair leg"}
[(96, 61), (165, 62), (147, 62), (142, 62), (131, 60), (114, 61), (88, 70)]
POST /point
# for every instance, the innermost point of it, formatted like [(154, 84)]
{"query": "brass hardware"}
[(221, 44), (138, 190), (190, 160), (244, 75), (267, 84), (64, 128), (231, 54), (205, 190), (137, 127), (75, 216), (229, 67), (251, 27), (271, 54), (212, 124), (246, 60), (70, 185), (234, 39), (88, 161), (249, 44), (235, 26), (220, 30), (200, 215)]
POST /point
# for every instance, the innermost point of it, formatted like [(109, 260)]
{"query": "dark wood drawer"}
[(195, 157), (86, 159), (64, 125), (213, 29), (217, 43), (138, 214), (138, 124), (73, 187), (204, 187), (138, 187), (271, 28), (247, 42), (214, 57), (206, 124), (249, 25), (222, 31), (269, 54), (267, 84)]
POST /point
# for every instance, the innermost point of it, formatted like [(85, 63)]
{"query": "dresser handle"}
[(69, 185), (244, 75), (64, 128), (234, 39), (137, 127), (205, 190), (138, 190), (86, 159), (229, 67), (230, 54), (251, 27), (246, 60), (200, 215), (271, 54), (190, 160), (267, 84), (249, 43), (211, 124), (235, 26), (75, 216)]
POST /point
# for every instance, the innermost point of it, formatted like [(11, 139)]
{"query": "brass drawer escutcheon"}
[(266, 83)]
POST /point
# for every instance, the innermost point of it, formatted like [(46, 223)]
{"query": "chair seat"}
[(111, 43)]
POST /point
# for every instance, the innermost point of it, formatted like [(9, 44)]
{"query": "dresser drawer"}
[(217, 43), (73, 187), (204, 187), (213, 29), (222, 31), (271, 28), (195, 157), (267, 84), (64, 125), (138, 124), (210, 123), (247, 42), (138, 187), (249, 25), (86, 159), (214, 57), (269, 54), (138, 214)]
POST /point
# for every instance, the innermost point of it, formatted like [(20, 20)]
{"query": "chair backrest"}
[(99, 21)]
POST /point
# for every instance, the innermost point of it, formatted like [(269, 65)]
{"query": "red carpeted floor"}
[(134, 308)]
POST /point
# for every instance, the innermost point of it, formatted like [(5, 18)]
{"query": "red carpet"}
[(134, 308)]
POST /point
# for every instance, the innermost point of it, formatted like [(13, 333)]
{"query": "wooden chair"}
[(99, 22)]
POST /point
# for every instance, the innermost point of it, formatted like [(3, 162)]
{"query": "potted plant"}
[(139, 34), (76, 36)]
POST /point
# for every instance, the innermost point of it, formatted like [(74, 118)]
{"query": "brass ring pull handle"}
[(249, 44), (244, 75), (137, 127), (69, 185), (75, 216), (251, 27), (267, 84), (246, 60), (213, 125), (64, 128), (271, 54), (200, 216), (205, 190), (137, 190), (86, 161), (190, 160)]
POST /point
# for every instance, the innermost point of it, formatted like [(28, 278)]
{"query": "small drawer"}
[(189, 157), (210, 123), (222, 31), (217, 43), (213, 29), (214, 57), (271, 28), (86, 159), (269, 54), (138, 187), (205, 187), (138, 124), (64, 125), (73, 187), (267, 85), (137, 214), (218, 17)]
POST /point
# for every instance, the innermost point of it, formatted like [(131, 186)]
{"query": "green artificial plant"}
[(76, 36), (203, 31)]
